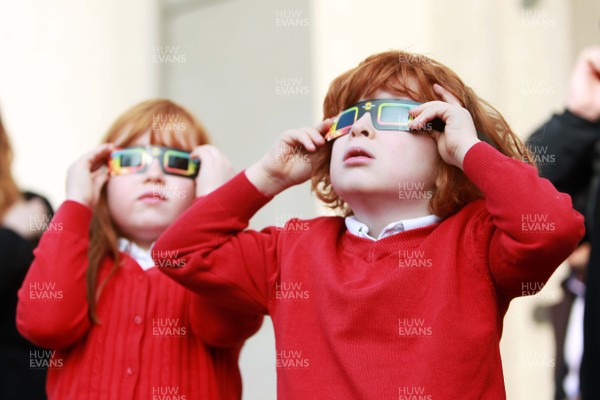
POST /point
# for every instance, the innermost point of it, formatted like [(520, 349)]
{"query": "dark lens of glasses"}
[(177, 162), (131, 159), (347, 119)]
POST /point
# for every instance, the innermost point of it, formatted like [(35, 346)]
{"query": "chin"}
[(353, 189), (150, 227)]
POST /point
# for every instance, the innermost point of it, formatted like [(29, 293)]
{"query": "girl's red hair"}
[(9, 191)]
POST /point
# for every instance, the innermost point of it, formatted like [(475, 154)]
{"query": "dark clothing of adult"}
[(18, 379), (560, 314), (567, 149)]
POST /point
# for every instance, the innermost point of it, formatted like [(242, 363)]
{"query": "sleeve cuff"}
[(73, 217), (480, 160)]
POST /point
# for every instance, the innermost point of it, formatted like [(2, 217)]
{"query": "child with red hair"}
[(117, 328), (403, 295)]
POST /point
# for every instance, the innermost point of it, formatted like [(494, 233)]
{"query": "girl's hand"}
[(460, 133), (215, 169), (87, 175), (289, 162), (584, 90)]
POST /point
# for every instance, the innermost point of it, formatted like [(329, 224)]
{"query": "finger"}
[(306, 139), (433, 110), (100, 171), (419, 109), (206, 153), (298, 137), (210, 148), (211, 155), (323, 126), (98, 157), (436, 135), (99, 178), (446, 95), (99, 183), (196, 153), (316, 136)]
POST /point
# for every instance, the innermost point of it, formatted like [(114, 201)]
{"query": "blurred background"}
[(252, 69)]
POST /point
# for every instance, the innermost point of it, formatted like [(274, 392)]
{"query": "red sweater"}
[(151, 342), (416, 315)]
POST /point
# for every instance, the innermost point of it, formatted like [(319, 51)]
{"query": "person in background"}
[(569, 143), (566, 317), (23, 218)]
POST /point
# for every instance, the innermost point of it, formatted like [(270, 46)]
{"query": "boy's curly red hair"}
[(391, 71)]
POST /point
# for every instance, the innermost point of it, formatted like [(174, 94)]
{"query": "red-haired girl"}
[(117, 327)]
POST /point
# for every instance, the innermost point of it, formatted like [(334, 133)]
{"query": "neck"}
[(144, 244), (376, 215)]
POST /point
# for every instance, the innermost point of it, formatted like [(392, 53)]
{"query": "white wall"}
[(247, 74), (68, 69)]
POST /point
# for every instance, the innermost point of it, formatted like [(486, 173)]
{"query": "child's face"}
[(144, 204), (368, 161)]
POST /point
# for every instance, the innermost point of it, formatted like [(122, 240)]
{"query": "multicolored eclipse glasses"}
[(135, 160), (386, 115)]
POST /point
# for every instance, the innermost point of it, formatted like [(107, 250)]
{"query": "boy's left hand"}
[(215, 169), (460, 133)]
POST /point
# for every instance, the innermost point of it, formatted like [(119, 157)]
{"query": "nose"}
[(363, 127), (154, 173)]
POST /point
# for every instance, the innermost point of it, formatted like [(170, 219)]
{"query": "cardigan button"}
[(129, 371), (137, 320)]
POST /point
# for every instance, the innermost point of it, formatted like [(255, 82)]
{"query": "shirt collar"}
[(360, 229), (142, 256)]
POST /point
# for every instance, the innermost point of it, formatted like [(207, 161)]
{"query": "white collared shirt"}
[(142, 256), (362, 230)]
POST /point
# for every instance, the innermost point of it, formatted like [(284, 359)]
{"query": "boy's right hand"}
[(584, 90), (289, 162), (86, 176)]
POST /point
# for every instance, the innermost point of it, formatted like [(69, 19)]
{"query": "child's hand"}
[(584, 90), (215, 169), (460, 133), (86, 176), (289, 162)]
